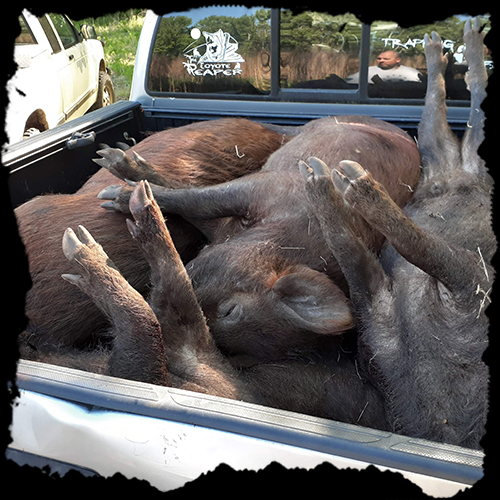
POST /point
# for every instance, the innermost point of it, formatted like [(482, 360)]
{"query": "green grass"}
[(120, 33)]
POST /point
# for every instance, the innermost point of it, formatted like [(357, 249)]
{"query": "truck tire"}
[(35, 124), (105, 92), (30, 132)]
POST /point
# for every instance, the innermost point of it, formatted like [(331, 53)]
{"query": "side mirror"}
[(88, 32)]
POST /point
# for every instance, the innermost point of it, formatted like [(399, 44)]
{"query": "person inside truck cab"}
[(389, 69)]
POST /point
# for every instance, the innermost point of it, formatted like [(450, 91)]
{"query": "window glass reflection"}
[(397, 59), (318, 50)]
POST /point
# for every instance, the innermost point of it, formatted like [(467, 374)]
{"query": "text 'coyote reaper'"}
[(220, 56)]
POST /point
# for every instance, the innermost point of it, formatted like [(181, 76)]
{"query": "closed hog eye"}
[(230, 311)]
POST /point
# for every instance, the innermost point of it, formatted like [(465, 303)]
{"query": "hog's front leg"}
[(203, 203), (430, 253), (172, 296), (138, 352), (190, 350), (129, 169), (203, 207)]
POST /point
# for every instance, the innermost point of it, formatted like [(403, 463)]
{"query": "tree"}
[(252, 32), (316, 28), (174, 35)]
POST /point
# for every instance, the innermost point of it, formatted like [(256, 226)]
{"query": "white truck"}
[(69, 419), (61, 75)]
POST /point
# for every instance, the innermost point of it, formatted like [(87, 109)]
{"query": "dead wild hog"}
[(166, 340), (267, 282), (199, 154), (420, 309)]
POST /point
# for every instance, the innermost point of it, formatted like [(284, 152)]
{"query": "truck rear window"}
[(213, 50), (224, 51)]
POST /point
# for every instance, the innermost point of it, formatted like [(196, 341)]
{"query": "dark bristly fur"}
[(267, 283), (199, 154), (262, 231), (420, 308)]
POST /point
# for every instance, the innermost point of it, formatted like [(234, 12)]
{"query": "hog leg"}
[(428, 252), (365, 276), (138, 352), (191, 353), (438, 146), (203, 207), (474, 136), (360, 266), (220, 200), (128, 169)]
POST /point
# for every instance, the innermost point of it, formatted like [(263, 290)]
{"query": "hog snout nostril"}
[(229, 311)]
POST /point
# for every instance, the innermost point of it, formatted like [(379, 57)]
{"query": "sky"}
[(218, 10)]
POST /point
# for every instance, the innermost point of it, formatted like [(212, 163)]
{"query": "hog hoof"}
[(434, 53), (148, 227), (110, 192), (468, 27), (119, 196), (347, 173), (110, 159), (351, 169), (473, 38), (117, 163), (313, 169), (141, 198), (83, 250), (140, 204), (140, 161)]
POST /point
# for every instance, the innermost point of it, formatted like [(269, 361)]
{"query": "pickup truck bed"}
[(59, 161), (57, 398)]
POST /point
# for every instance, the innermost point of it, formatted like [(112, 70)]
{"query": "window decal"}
[(220, 55)]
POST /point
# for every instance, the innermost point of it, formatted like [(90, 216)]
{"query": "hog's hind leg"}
[(438, 146), (191, 354), (478, 78), (137, 352), (361, 268)]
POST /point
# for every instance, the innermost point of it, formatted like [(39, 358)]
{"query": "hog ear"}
[(311, 301)]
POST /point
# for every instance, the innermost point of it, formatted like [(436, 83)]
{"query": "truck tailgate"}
[(170, 436)]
